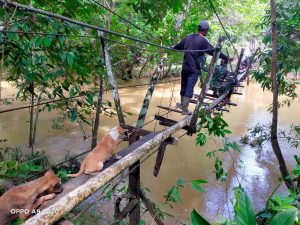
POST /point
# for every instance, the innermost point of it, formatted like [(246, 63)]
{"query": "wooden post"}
[(147, 99), (151, 209), (205, 85), (111, 79), (134, 185), (239, 62), (98, 111)]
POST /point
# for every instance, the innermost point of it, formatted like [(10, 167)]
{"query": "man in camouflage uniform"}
[(222, 80)]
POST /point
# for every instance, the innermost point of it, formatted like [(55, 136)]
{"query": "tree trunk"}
[(37, 113), (181, 16), (98, 111), (274, 140), (31, 90), (144, 66)]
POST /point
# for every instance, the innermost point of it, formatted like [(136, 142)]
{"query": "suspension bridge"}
[(142, 143)]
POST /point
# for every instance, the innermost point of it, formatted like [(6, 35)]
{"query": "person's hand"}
[(230, 59)]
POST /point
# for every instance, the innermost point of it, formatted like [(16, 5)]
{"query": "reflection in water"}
[(257, 170)]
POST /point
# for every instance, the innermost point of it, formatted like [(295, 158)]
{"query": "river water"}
[(255, 168)]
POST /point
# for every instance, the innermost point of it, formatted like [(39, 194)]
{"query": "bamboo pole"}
[(147, 99), (205, 85), (56, 211)]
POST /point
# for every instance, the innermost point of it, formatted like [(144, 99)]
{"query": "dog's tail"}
[(82, 167)]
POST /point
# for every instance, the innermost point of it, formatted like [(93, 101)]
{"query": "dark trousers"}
[(188, 82)]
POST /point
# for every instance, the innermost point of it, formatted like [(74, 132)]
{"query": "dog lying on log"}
[(94, 160), (25, 199)]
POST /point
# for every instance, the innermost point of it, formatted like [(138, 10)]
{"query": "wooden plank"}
[(159, 158), (128, 208), (169, 109), (231, 103), (169, 122), (236, 93), (194, 101), (142, 132), (221, 109)]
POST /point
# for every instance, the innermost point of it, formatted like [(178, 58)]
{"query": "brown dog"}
[(93, 162), (23, 200)]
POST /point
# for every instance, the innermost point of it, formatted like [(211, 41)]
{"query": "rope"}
[(78, 36), (220, 21), (77, 96), (93, 27)]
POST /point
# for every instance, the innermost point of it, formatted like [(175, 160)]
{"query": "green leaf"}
[(297, 170), (38, 42), (72, 92), (36, 168), (47, 42), (199, 181), (180, 182), (90, 99), (286, 217), (197, 219), (243, 208), (197, 187), (73, 115), (70, 59)]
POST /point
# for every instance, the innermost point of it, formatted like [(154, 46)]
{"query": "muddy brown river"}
[(257, 170)]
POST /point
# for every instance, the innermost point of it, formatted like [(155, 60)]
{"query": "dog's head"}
[(54, 182), (119, 132)]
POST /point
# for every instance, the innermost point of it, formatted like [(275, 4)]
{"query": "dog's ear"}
[(121, 130), (49, 172)]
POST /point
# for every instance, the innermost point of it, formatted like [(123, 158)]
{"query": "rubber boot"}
[(185, 106), (179, 104)]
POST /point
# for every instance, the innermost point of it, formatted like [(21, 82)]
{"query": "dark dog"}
[(23, 200)]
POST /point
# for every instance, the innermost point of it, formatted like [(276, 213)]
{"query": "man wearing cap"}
[(192, 62)]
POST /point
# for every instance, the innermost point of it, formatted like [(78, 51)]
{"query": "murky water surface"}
[(258, 170)]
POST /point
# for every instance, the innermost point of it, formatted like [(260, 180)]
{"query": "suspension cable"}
[(220, 21), (93, 27), (79, 36), (86, 25), (77, 96)]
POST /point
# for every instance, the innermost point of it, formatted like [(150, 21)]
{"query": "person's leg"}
[(192, 80), (184, 83)]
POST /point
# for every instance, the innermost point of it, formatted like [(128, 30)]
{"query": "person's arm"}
[(179, 45), (211, 50)]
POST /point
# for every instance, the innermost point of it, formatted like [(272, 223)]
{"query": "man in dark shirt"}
[(193, 61)]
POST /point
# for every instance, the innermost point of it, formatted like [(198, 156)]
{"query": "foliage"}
[(14, 170), (197, 219), (287, 13), (244, 212), (215, 125), (260, 134), (279, 211)]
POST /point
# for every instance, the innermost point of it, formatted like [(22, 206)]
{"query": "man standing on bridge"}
[(193, 61)]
